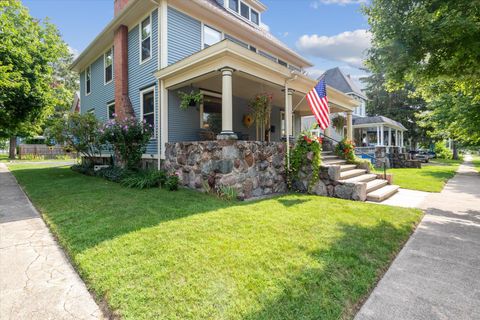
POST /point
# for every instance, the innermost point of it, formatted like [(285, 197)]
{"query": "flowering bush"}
[(129, 138), (307, 151), (345, 149)]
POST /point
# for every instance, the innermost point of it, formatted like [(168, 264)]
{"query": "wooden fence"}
[(48, 152)]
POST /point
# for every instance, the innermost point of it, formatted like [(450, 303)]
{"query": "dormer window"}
[(254, 17), (145, 39), (245, 11)]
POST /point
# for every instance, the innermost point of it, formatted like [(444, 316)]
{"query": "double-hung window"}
[(210, 36), (111, 110), (233, 5), (147, 100), (146, 39), (88, 80), (245, 10), (254, 17), (108, 61)]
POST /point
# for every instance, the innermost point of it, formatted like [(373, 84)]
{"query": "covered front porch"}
[(229, 76), (379, 131)]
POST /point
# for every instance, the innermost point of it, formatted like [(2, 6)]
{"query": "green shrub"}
[(227, 193), (83, 169), (32, 157), (114, 174), (345, 149), (145, 179), (172, 183), (307, 144), (360, 161), (442, 151)]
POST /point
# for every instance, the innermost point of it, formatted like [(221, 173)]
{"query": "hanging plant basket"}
[(339, 122), (192, 99)]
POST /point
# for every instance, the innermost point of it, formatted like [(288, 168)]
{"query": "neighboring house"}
[(367, 130), (152, 49)]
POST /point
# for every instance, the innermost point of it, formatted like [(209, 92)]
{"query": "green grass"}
[(154, 254), (431, 177), (476, 162)]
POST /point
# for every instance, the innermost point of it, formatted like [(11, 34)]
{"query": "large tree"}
[(434, 45), (29, 50), (401, 105)]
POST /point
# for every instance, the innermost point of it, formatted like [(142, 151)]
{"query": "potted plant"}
[(191, 99), (339, 122), (261, 109)]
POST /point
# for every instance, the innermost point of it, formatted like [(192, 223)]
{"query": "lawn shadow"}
[(292, 202), (345, 275), (86, 211)]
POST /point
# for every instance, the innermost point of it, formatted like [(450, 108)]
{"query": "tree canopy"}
[(29, 87), (435, 46)]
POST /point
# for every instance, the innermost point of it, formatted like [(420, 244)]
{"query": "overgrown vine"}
[(299, 157)]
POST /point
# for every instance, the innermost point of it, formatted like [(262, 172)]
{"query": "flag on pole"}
[(318, 102)]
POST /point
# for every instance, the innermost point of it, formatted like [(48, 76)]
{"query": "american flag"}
[(318, 102)]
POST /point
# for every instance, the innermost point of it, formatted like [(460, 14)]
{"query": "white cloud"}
[(264, 26), (349, 47), (74, 52), (316, 4), (315, 73)]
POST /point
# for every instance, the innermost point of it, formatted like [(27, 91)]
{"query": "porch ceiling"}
[(253, 74)]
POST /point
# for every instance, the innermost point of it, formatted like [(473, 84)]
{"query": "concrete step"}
[(327, 153), (346, 167), (383, 193), (329, 157), (376, 184), (334, 162), (363, 178), (352, 173)]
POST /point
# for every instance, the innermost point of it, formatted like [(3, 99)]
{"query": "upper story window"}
[(210, 36), (146, 39), (244, 10), (108, 61), (147, 108), (254, 17), (233, 5), (88, 80)]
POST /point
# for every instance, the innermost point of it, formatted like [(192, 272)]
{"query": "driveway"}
[(437, 273), (36, 279)]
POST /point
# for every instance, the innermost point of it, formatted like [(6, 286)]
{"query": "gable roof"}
[(337, 79), (377, 120)]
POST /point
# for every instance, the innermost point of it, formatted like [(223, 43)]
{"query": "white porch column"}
[(401, 139), (396, 138), (163, 123), (382, 135), (389, 136), (290, 111), (227, 106), (349, 126), (378, 135)]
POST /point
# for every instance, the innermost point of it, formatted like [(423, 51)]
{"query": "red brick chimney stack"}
[(123, 106)]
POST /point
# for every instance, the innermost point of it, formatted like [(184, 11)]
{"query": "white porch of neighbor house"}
[(229, 76)]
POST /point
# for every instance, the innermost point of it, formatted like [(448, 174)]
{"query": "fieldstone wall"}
[(253, 168), (329, 185)]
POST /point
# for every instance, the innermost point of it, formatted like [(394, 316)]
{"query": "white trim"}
[(89, 68), (142, 92), (163, 18), (140, 40), (105, 67), (163, 117), (108, 107)]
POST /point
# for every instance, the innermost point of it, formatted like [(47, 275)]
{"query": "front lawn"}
[(431, 177), (155, 254), (476, 162)]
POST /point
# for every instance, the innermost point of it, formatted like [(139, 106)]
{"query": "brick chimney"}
[(123, 105)]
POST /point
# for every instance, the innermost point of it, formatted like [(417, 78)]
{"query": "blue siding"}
[(100, 94), (183, 125), (184, 36), (142, 75)]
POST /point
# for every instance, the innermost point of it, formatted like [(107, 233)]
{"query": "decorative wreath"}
[(248, 120)]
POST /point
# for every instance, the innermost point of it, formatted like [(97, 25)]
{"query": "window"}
[(148, 106), (211, 114), (252, 48), (108, 61), (88, 80), (210, 36), (282, 123), (254, 17), (283, 63), (111, 110), (233, 5), (91, 111), (245, 10), (146, 40)]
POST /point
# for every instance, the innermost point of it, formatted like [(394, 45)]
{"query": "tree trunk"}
[(455, 150), (12, 151)]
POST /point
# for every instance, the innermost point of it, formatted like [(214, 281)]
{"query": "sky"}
[(328, 33)]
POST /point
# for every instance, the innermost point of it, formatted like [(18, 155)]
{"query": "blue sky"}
[(327, 32)]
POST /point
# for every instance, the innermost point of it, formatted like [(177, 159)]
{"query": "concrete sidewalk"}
[(437, 273), (36, 279)]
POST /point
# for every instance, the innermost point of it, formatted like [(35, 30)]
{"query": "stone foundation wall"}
[(329, 185), (253, 168)]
